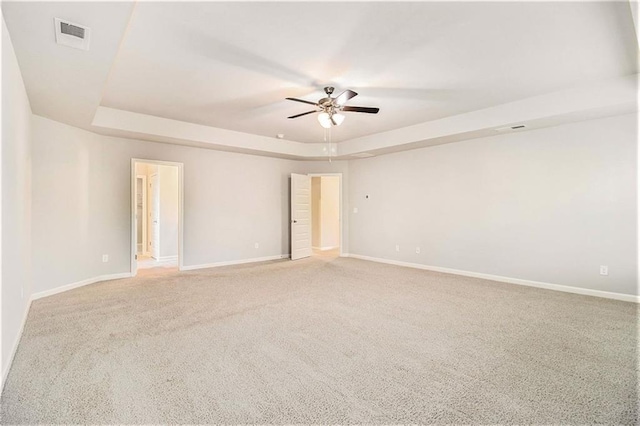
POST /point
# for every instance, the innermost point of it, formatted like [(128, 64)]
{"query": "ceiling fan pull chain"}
[(330, 144)]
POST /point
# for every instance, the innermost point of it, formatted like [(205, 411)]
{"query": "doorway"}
[(325, 215), (316, 215), (157, 205)]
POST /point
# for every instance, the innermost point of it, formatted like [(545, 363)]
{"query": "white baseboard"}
[(16, 342), (234, 262), (71, 286), (518, 281), (167, 258)]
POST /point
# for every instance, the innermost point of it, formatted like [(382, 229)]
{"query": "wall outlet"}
[(355, 210), (604, 270), (397, 247), (105, 258), (256, 245), (417, 250)]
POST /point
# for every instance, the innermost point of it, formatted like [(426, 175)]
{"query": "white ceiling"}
[(230, 65)]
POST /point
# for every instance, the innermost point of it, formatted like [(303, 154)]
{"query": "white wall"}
[(16, 201), (548, 205), (168, 178), (231, 201)]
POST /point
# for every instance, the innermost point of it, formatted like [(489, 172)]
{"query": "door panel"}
[(300, 216)]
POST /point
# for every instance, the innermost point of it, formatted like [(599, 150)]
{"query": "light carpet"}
[(323, 340)]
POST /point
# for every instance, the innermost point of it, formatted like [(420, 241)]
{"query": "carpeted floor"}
[(323, 340)]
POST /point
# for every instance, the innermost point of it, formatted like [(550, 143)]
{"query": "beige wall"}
[(141, 169), (548, 205), (325, 212), (330, 202)]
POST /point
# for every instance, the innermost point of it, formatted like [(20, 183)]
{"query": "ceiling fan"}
[(330, 108)]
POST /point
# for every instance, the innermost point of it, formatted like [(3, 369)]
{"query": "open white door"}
[(300, 216)]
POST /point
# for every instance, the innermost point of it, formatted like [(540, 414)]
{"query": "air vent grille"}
[(72, 35), (72, 30)]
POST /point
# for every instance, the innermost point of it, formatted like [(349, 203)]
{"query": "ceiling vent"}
[(72, 35), (509, 128)]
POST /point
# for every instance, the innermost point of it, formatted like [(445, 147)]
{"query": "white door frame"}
[(340, 201), (180, 166), (145, 201)]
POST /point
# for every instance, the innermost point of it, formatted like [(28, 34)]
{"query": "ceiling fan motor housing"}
[(327, 103)]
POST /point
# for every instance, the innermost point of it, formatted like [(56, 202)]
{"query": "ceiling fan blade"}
[(302, 100), (344, 97), (304, 113), (368, 110)]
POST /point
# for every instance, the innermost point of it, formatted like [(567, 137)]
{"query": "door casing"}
[(133, 245)]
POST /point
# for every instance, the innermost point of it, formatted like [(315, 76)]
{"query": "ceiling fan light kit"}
[(330, 108), (326, 120)]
